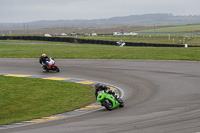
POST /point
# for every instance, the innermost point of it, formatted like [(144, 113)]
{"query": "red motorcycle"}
[(50, 65)]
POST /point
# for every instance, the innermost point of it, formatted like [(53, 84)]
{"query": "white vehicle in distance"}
[(94, 34), (125, 34), (117, 33), (47, 35), (131, 34), (63, 34), (73, 34)]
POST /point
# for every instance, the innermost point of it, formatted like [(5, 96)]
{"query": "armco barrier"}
[(82, 41)]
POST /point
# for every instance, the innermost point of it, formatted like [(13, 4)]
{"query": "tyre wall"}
[(82, 41)]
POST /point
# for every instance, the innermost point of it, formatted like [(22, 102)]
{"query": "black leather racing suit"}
[(43, 60), (106, 90)]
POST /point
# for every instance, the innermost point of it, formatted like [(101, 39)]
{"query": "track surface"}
[(160, 96)]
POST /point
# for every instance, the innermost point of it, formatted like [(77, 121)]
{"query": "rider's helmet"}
[(97, 86), (44, 56)]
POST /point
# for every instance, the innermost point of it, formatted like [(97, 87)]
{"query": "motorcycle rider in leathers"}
[(43, 60), (100, 87)]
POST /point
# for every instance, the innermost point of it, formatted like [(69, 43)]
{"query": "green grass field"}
[(27, 98), (92, 51), (175, 29)]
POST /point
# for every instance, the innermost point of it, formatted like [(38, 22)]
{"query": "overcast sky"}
[(14, 11)]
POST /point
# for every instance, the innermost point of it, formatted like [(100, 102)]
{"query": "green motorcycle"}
[(109, 101)]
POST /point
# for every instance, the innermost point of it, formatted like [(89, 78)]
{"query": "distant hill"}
[(146, 19)]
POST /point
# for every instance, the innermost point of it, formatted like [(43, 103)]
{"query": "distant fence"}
[(77, 40)]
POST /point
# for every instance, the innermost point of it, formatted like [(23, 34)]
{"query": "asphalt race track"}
[(159, 96)]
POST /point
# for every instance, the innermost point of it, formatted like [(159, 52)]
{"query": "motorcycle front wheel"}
[(121, 102), (45, 68), (56, 69), (108, 104)]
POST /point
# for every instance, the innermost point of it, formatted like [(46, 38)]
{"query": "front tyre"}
[(45, 68), (56, 69), (108, 104), (121, 102)]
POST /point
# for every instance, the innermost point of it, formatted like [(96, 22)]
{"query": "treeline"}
[(146, 19)]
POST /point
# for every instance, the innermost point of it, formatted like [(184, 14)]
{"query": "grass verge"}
[(92, 51), (27, 98)]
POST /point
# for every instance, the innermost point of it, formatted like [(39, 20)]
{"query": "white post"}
[(186, 45)]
